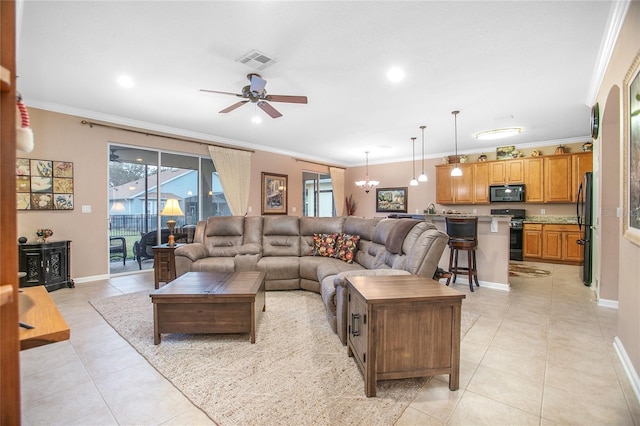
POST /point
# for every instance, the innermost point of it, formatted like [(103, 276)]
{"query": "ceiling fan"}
[(256, 94)]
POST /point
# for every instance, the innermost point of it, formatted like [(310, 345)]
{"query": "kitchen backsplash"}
[(551, 219)]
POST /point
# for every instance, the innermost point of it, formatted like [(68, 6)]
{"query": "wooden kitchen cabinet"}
[(580, 164), (552, 242), (557, 179), (534, 179), (480, 183), (532, 240), (454, 189), (506, 171)]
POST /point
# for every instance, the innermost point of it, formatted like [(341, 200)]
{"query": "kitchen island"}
[(492, 254)]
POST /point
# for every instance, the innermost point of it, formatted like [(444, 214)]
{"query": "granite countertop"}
[(551, 219), (479, 216)]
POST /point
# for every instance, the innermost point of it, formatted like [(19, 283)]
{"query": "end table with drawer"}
[(164, 263)]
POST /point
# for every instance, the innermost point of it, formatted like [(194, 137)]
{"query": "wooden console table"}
[(46, 264), (38, 310), (403, 326)]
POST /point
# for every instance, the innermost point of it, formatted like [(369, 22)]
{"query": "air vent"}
[(256, 60)]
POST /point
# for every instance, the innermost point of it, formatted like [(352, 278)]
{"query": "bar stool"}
[(463, 235)]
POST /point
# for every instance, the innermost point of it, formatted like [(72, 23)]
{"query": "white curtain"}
[(337, 181), (234, 170)]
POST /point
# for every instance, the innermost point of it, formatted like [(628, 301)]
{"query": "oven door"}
[(515, 244)]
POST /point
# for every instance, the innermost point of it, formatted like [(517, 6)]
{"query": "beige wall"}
[(626, 49)]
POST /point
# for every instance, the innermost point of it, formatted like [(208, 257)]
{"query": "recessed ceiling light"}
[(395, 74), (125, 81), (498, 133)]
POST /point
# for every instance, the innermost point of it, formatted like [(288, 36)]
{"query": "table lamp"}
[(171, 208)]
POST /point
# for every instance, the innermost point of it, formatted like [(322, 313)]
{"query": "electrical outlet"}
[(249, 209), (293, 209), (543, 211), (475, 211)]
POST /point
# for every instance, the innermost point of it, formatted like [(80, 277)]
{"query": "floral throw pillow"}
[(346, 247), (324, 245)]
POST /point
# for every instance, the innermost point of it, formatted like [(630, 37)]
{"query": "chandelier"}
[(367, 184)]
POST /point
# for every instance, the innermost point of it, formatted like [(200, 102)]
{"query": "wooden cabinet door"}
[(580, 164), (515, 171), (444, 184), (533, 180), (463, 185), (571, 250), (532, 240), (480, 183), (497, 173), (551, 244), (557, 179)]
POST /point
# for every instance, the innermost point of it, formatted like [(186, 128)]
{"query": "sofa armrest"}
[(193, 251)]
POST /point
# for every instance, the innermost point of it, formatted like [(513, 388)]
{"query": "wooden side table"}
[(164, 263), (403, 326)]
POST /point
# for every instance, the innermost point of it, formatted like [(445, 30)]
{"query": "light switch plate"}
[(86, 209)]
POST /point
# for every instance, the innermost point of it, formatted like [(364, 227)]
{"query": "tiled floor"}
[(540, 354)]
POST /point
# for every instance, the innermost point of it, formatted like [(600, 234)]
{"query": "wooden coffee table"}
[(209, 302)]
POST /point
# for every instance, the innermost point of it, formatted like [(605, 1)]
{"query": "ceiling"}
[(502, 64)]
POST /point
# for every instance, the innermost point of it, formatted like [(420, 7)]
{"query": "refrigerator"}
[(584, 212)]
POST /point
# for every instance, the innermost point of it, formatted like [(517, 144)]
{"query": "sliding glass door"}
[(317, 194)]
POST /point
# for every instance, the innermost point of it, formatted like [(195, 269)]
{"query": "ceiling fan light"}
[(498, 133), (456, 171), (256, 119)]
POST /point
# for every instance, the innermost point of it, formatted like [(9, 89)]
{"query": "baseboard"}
[(485, 284), (606, 303), (90, 279), (630, 371)]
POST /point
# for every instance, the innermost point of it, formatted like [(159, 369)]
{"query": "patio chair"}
[(118, 247), (143, 249)]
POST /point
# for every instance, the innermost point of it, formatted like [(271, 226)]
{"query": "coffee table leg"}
[(253, 321), (156, 335)]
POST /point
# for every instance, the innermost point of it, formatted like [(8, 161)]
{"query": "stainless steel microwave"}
[(506, 193)]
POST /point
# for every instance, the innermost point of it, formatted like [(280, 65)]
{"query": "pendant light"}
[(367, 184), (414, 181), (456, 171), (423, 177)]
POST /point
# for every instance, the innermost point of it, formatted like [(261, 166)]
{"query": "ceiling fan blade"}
[(274, 113), (234, 106), (286, 98), (222, 93), (257, 84)]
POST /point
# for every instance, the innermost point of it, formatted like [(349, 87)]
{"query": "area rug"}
[(297, 372), (527, 271)]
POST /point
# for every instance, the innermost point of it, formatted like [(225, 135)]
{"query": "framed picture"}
[(632, 153), (44, 184), (392, 200), (505, 152), (274, 193)]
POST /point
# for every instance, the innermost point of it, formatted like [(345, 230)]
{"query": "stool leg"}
[(470, 268), (450, 265), (455, 266), (475, 269)]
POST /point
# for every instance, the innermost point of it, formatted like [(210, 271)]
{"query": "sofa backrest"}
[(281, 236), (223, 235), (317, 225)]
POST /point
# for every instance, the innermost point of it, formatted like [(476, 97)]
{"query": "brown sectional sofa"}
[(281, 247)]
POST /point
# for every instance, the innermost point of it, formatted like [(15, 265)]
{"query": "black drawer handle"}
[(355, 331)]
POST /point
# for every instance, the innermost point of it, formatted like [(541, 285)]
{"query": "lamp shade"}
[(118, 207), (172, 208)]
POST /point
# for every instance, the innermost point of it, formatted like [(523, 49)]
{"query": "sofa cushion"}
[(324, 245), (346, 247), (334, 267), (280, 236)]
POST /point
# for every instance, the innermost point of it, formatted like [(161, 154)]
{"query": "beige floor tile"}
[(594, 408), (64, 407), (467, 370), (112, 361), (518, 361), (478, 410), (436, 400), (563, 356), (507, 388), (413, 417)]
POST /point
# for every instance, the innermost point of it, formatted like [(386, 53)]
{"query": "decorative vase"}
[(587, 146), (560, 149), (482, 157)]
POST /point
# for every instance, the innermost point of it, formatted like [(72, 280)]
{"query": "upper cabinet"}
[(506, 171), (549, 179)]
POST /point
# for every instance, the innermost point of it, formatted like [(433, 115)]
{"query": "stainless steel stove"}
[(515, 232)]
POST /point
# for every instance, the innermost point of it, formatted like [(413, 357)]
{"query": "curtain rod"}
[(319, 164), (91, 124)]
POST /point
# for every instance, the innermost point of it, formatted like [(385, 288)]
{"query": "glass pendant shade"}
[(367, 184), (457, 171), (414, 181), (423, 176)]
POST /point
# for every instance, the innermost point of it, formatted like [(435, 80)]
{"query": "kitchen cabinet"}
[(557, 179), (46, 264), (533, 179), (454, 189), (506, 171), (532, 240), (580, 164), (481, 183), (552, 242)]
